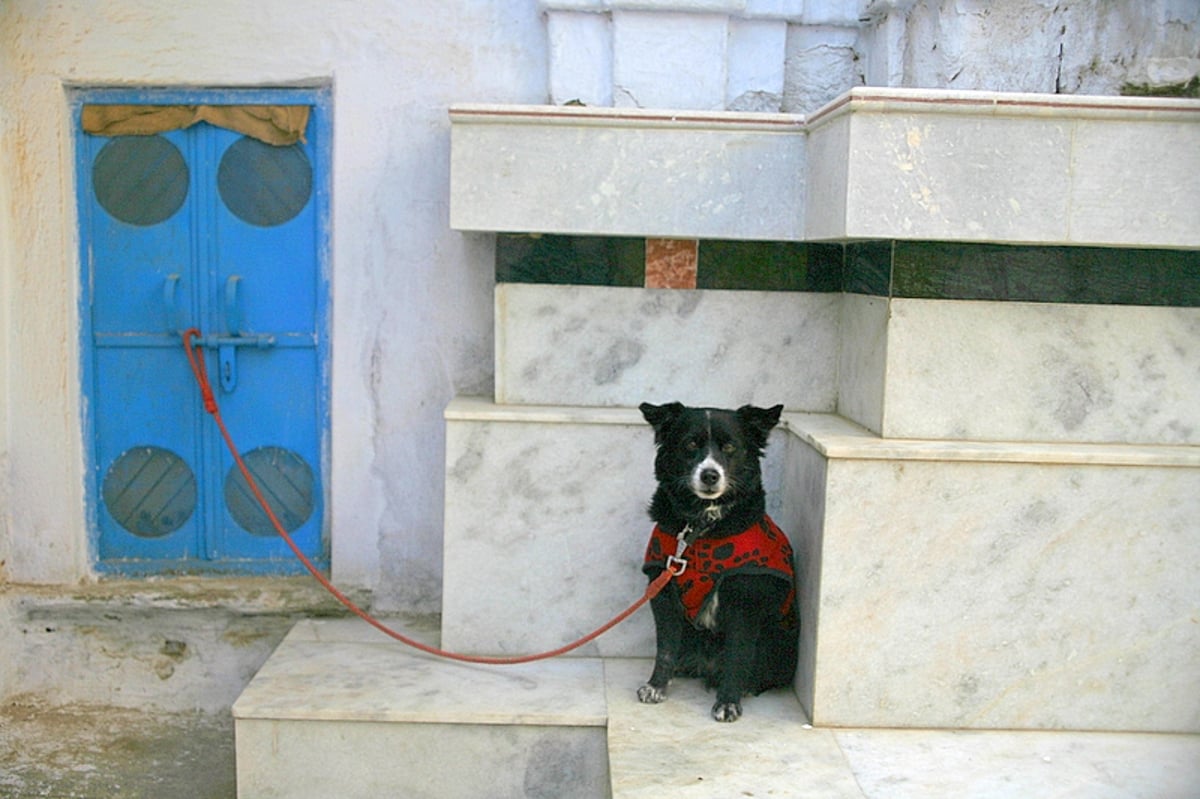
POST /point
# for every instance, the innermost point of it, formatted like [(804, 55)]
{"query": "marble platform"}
[(994, 166), (875, 163), (978, 585), (340, 710), (964, 584)]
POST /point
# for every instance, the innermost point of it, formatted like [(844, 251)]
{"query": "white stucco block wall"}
[(411, 298)]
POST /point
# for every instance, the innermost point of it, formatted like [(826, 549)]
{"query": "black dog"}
[(730, 616)]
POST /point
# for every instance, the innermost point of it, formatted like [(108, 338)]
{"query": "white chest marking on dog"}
[(708, 617)]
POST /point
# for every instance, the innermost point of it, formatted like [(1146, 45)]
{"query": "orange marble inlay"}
[(671, 263)]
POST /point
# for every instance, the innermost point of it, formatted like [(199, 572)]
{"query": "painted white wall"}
[(411, 310)]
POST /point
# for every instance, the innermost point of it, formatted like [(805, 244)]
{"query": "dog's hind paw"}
[(650, 695), (727, 711)]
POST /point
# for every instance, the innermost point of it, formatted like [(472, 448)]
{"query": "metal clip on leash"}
[(681, 544)]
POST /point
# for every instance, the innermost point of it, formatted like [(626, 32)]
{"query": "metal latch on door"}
[(225, 345)]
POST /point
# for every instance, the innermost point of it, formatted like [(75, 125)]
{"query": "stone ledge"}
[(483, 409), (607, 117), (598, 171), (838, 438), (994, 104), (875, 163), (1005, 168), (246, 595)]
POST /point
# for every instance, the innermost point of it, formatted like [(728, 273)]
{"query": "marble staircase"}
[(983, 565), (948, 584), (342, 711), (993, 497)]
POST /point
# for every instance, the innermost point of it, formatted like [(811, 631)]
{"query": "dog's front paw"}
[(650, 695), (727, 711)]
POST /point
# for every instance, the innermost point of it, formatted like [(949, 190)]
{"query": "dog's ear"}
[(760, 420), (659, 416)]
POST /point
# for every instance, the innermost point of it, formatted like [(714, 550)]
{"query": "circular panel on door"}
[(287, 483), (263, 184), (150, 491), (141, 180)]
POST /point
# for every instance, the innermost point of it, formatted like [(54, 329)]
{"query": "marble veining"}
[(1009, 595), (630, 750), (962, 370), (545, 530), (603, 346), (903, 764), (356, 759), (1042, 372), (944, 583), (884, 163), (698, 174)]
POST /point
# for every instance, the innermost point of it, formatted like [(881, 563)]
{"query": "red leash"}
[(196, 360)]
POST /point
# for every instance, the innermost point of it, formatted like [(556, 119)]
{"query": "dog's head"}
[(711, 453)]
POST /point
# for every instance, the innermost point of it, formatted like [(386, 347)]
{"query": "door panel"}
[(207, 228), (274, 416), (143, 399)]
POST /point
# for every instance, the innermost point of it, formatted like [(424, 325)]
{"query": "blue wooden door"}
[(203, 228)]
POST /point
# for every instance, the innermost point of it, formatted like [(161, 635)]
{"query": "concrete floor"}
[(96, 752)]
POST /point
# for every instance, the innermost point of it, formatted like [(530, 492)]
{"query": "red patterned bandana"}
[(762, 548)]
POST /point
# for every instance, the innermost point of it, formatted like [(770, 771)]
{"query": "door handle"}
[(233, 306), (226, 346), (170, 302)]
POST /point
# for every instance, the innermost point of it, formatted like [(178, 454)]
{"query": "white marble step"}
[(340, 710), (905, 368)]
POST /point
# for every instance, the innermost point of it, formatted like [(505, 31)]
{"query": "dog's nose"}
[(710, 477)]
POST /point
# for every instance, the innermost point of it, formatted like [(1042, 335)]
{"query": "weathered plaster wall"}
[(411, 312), (6, 258), (797, 55), (1086, 47)]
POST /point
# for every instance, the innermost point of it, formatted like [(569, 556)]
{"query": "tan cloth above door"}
[(273, 124)]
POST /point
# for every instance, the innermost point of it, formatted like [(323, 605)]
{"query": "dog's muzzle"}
[(708, 479)]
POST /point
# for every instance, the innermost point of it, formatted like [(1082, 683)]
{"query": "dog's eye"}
[(729, 448), (692, 444)]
